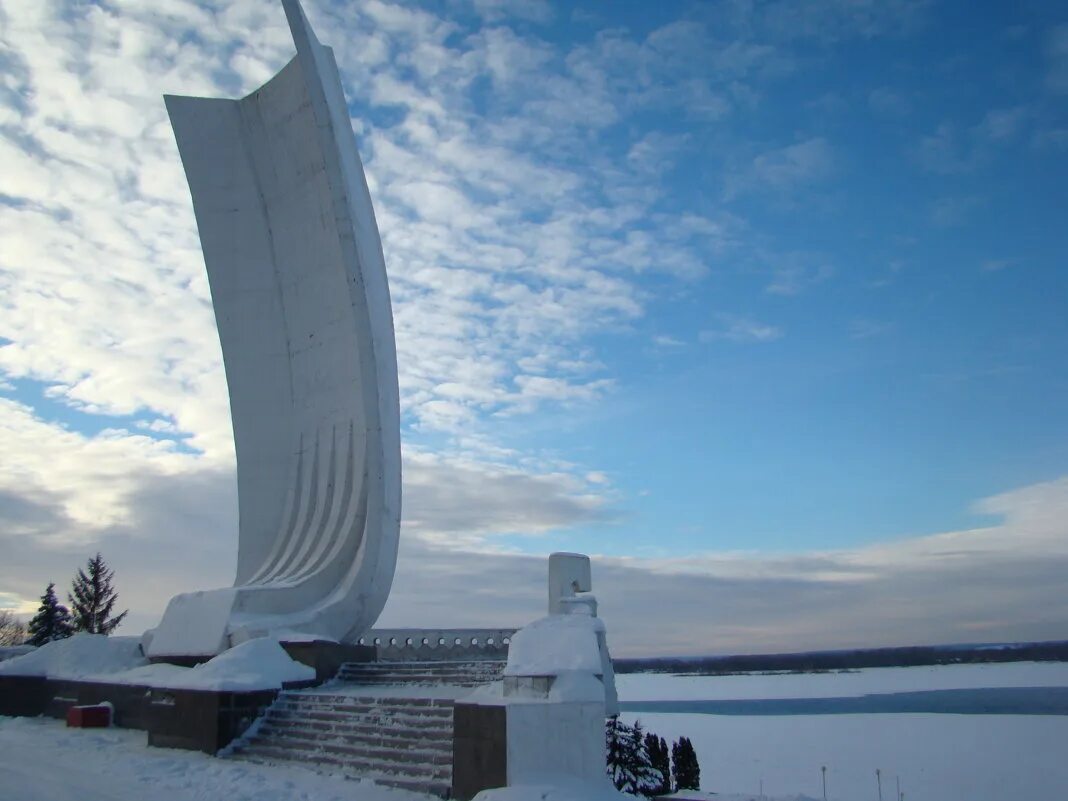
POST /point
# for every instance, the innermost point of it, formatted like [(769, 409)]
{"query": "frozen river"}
[(967, 732)]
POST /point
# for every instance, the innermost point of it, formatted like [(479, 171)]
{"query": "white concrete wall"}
[(302, 303), (563, 740)]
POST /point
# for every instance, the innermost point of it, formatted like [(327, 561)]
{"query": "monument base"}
[(196, 720), (326, 658)]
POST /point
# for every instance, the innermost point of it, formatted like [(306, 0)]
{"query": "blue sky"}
[(762, 304)]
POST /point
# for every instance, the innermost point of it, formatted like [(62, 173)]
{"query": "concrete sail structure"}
[(302, 303)]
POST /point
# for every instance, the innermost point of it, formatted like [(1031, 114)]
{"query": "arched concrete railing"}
[(439, 645)]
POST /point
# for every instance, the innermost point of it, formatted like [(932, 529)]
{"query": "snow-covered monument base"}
[(457, 726), (544, 722)]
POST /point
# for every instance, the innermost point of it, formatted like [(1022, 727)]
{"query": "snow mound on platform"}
[(555, 644), (259, 664), (11, 651), (76, 657)]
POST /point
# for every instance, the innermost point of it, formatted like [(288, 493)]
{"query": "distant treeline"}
[(850, 660)]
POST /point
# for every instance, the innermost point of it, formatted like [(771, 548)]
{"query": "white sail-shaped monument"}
[(302, 303)]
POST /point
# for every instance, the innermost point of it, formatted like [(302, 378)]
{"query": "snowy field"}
[(42, 760), (937, 757)]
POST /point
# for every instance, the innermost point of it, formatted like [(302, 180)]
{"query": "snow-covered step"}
[(410, 727), (430, 785), (355, 705), (387, 759), (412, 738), (388, 722), (398, 741)]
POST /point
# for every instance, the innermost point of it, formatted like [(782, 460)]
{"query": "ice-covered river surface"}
[(946, 733)]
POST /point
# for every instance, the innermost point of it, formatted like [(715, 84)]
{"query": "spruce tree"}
[(52, 621), (660, 759), (647, 779), (92, 598), (619, 760), (665, 765), (685, 768)]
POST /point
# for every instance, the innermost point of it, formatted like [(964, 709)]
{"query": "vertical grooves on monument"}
[(345, 550), (294, 499), (342, 521), (324, 514), (315, 493), (293, 532)]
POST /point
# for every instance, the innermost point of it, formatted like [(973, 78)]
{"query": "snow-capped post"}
[(545, 723), (570, 582)]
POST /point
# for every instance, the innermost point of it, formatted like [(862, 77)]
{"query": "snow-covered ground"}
[(937, 757), (42, 760)]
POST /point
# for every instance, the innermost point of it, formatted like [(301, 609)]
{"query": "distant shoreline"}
[(973, 701), (856, 659)]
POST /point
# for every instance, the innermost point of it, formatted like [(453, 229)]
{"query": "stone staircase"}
[(358, 727)]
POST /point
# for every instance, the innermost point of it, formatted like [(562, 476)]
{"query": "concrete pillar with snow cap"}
[(545, 723)]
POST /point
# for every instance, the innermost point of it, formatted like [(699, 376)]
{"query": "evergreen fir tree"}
[(637, 763), (52, 621), (647, 779), (685, 768), (665, 765), (620, 761), (660, 759), (92, 598)]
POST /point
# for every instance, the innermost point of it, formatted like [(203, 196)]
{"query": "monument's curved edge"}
[(301, 298)]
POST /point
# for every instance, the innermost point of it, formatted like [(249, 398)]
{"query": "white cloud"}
[(909, 591), (944, 152), (997, 265), (1056, 52), (795, 272), (736, 328), (533, 10), (947, 212), (1002, 124), (782, 170), (888, 102), (829, 21), (1052, 138), (100, 240), (86, 481), (167, 523), (952, 149), (863, 328)]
